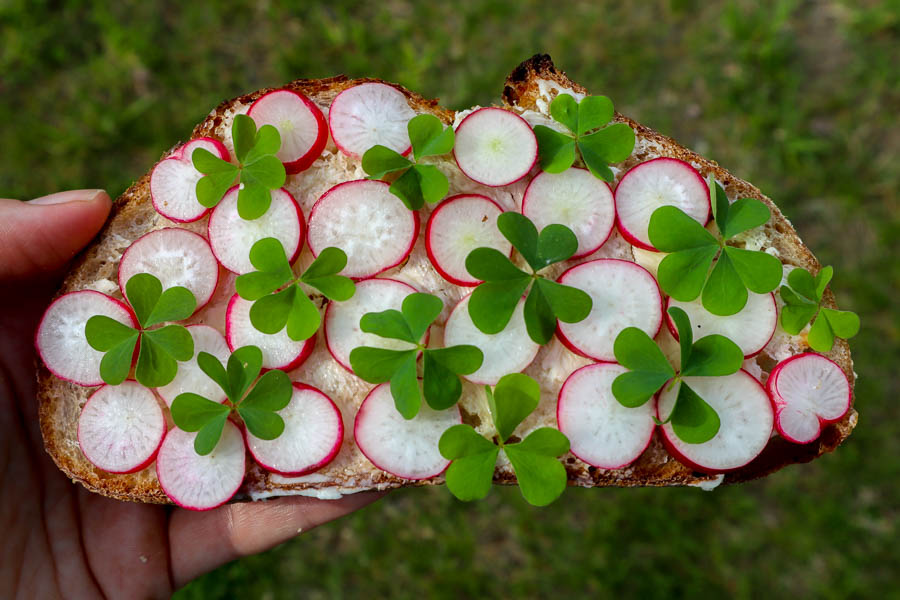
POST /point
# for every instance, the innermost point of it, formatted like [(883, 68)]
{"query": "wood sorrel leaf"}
[(190, 411), (683, 273), (377, 365), (492, 304), (208, 437), (569, 304), (693, 420), (820, 337), (155, 366), (635, 350), (104, 333), (538, 314), (844, 324), (379, 160), (143, 291), (471, 473), (244, 365), (593, 112), (743, 215), (685, 334), (440, 385), (713, 356), (541, 477), (794, 317), (489, 264), (760, 272), (564, 109), (556, 243), (116, 363), (557, 150), (611, 144), (174, 304), (432, 182), (429, 137), (724, 294), (515, 397), (634, 388), (271, 393), (523, 235), (823, 277), (420, 311), (387, 324), (214, 369), (264, 424), (405, 387)]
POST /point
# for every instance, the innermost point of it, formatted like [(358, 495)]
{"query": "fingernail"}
[(69, 196)]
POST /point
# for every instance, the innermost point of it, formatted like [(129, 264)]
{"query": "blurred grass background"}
[(799, 97)]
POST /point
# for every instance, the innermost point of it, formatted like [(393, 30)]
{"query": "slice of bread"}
[(528, 91)]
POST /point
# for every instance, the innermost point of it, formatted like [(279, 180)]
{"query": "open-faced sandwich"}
[(338, 286)]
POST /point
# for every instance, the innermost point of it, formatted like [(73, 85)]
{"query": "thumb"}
[(40, 236)]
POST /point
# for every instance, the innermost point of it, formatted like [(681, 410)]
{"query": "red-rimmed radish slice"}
[(624, 295), (601, 431), (405, 448), (809, 391), (279, 350), (751, 328), (509, 351), (60, 339), (313, 432), (658, 182), (175, 256), (456, 227), (576, 199), (366, 221), (342, 332), (201, 482), (173, 181), (231, 237), (368, 114), (189, 377), (121, 427), (746, 417), (495, 147), (300, 123)]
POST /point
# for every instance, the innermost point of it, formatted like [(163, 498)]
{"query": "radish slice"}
[(367, 222), (405, 448), (368, 114), (189, 377), (279, 351), (495, 147), (809, 391), (456, 227), (173, 181), (231, 237), (201, 482), (509, 351), (658, 182), (342, 332), (746, 417), (60, 339), (601, 431), (300, 123), (121, 427), (751, 328), (313, 432), (175, 256), (624, 295), (576, 199)]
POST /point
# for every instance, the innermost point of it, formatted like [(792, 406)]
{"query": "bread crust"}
[(133, 214)]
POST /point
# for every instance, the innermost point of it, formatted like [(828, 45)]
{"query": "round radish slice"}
[(121, 427), (279, 350), (177, 257), (231, 237), (658, 182), (60, 339), (300, 123), (456, 227), (201, 482), (495, 147), (746, 417), (173, 181), (509, 351), (602, 432), (624, 295), (405, 448), (313, 432), (809, 391), (751, 328), (576, 199), (342, 332), (189, 377), (366, 221), (368, 114)]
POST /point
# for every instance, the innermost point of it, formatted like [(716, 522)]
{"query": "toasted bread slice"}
[(528, 90)]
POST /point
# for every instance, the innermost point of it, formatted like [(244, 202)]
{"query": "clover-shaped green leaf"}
[(803, 298)]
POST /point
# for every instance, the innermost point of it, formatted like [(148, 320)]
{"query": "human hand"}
[(58, 538)]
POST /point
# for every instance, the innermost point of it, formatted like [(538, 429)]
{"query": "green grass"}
[(799, 98)]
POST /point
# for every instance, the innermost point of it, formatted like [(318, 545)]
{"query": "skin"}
[(59, 539)]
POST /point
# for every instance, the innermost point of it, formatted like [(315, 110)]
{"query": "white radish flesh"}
[(655, 183), (576, 199), (313, 432), (601, 431), (370, 114), (405, 448), (495, 147), (509, 351), (60, 339), (367, 222), (189, 377), (177, 257), (232, 237), (746, 417), (300, 123), (201, 482), (459, 225), (279, 351), (624, 295), (751, 328), (173, 181), (121, 427)]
